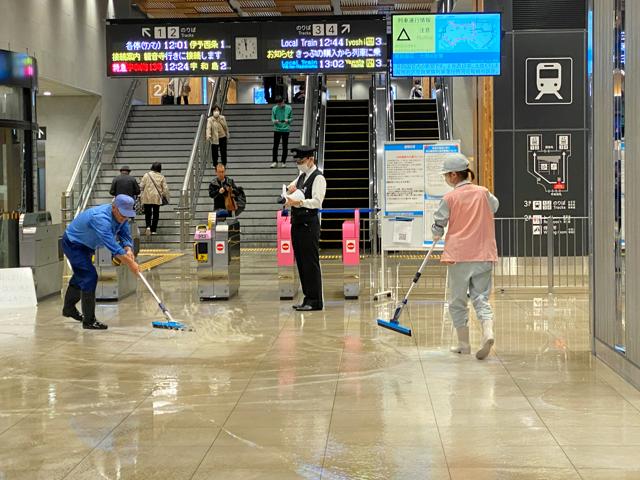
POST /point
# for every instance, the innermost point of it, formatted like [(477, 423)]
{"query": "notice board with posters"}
[(412, 190), (202, 47)]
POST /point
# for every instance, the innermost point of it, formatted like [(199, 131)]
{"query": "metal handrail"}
[(443, 105), (85, 174), (321, 121), (198, 161), (112, 139)]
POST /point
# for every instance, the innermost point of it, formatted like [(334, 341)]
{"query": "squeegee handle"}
[(419, 272), (146, 284)]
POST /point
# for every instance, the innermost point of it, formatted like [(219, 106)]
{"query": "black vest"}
[(302, 214)]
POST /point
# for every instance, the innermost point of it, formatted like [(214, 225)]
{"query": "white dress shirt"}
[(318, 189)]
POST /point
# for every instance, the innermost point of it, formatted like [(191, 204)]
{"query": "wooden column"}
[(484, 121)]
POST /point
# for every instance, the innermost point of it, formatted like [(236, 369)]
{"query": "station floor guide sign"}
[(413, 189)]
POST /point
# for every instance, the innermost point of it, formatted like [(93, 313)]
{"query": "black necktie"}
[(301, 180)]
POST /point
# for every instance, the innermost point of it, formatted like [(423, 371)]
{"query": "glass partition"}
[(618, 135)]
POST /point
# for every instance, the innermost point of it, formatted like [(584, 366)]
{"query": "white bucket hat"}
[(455, 162)]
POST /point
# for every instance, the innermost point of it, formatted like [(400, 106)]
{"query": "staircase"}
[(346, 166), (249, 157), (416, 120), (155, 134)]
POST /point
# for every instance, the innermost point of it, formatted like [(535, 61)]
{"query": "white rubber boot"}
[(488, 339), (463, 341)]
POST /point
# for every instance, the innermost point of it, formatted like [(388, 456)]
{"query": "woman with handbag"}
[(154, 193)]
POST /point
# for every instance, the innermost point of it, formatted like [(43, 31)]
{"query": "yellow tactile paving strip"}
[(160, 257)]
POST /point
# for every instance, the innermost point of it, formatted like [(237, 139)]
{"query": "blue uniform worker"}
[(102, 226)]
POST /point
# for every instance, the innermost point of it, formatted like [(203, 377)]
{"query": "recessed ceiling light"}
[(342, 85), (47, 93)]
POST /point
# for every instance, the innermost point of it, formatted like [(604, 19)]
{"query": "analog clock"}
[(246, 48)]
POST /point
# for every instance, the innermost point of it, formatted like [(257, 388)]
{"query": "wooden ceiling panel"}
[(259, 8)]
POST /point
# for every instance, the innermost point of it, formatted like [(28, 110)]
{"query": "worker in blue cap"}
[(103, 226)]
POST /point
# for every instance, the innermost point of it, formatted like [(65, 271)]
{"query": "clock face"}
[(246, 48)]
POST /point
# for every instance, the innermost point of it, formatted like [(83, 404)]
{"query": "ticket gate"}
[(217, 253), (116, 281), (40, 249), (351, 256), (287, 271)]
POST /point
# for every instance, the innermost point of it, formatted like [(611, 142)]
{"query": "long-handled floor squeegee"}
[(394, 323), (171, 324)]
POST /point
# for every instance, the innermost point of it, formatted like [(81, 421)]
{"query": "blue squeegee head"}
[(169, 325), (395, 326)]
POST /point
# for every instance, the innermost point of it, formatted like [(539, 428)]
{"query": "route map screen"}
[(448, 45)]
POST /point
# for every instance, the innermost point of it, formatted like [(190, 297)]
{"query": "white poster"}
[(404, 178), (402, 230), (17, 289)]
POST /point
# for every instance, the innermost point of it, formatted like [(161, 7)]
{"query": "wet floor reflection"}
[(258, 390)]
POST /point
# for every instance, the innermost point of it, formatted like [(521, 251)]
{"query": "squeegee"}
[(171, 324), (394, 323)]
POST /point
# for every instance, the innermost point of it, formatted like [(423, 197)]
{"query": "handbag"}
[(229, 201), (163, 198)]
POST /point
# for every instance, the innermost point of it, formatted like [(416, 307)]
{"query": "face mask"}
[(304, 168), (216, 114)]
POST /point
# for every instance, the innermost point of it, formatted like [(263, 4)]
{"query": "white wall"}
[(67, 38), (464, 104), (68, 121)]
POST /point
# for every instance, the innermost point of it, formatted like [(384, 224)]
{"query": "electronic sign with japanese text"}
[(447, 45), (287, 45)]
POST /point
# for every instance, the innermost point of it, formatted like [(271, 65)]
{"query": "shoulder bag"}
[(163, 198)]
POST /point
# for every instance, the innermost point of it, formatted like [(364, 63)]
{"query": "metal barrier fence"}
[(530, 258)]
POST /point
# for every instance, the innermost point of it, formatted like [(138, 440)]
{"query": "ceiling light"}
[(342, 85), (47, 93)]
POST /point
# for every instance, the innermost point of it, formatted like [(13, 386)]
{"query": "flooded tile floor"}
[(259, 391)]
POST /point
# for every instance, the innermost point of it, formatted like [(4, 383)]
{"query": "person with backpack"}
[(155, 192), (469, 251)]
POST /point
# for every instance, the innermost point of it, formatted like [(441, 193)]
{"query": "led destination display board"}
[(462, 44), (288, 45)]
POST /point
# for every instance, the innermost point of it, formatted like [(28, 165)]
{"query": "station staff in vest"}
[(305, 226), (106, 225)]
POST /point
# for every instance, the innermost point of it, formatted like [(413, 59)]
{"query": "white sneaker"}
[(147, 232), (274, 165), (463, 346), (488, 340), (283, 164)]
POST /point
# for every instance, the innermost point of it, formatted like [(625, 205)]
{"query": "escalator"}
[(346, 166), (416, 120)]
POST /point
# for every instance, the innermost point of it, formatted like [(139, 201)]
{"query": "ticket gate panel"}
[(288, 283), (218, 257), (351, 256), (115, 281), (40, 249)]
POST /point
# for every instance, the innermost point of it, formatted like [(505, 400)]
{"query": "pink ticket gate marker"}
[(287, 272), (351, 256)]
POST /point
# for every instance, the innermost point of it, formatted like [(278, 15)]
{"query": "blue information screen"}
[(450, 45)]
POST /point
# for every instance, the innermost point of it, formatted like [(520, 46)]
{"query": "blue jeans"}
[(84, 276)]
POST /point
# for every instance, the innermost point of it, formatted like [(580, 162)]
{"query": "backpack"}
[(241, 201)]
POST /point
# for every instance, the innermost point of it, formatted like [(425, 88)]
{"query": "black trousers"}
[(181, 97), (285, 145), (305, 238), (151, 216), (220, 148)]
